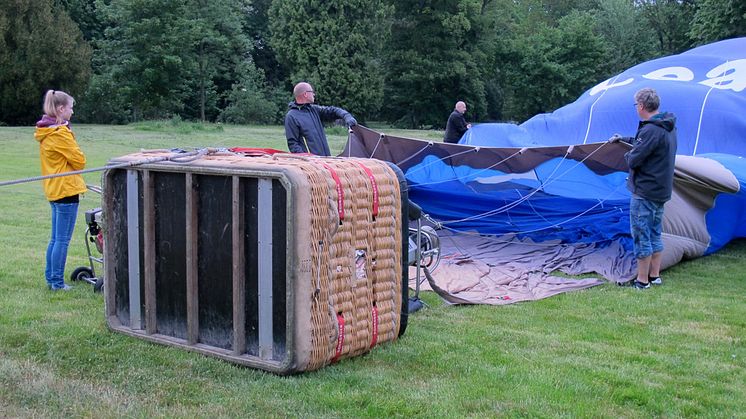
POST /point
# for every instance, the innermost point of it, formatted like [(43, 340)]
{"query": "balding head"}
[(461, 106), (303, 93)]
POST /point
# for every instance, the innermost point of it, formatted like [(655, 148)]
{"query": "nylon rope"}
[(460, 178), (702, 112), (470, 150), (549, 180), (593, 106), (513, 204), (430, 143), (527, 196), (494, 237), (380, 138), (176, 158)]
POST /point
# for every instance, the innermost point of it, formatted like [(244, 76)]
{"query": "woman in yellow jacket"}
[(59, 153)]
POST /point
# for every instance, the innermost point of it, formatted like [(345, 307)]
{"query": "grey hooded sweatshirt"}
[(651, 160)]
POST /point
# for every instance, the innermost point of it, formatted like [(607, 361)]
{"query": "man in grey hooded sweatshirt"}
[(303, 122), (651, 167)]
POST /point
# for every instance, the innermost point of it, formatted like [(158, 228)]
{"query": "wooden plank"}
[(110, 285), (148, 206), (191, 262), (239, 265)]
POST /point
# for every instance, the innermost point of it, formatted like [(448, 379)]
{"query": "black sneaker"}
[(640, 285), (655, 280)]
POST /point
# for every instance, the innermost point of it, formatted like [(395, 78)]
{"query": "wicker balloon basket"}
[(279, 262)]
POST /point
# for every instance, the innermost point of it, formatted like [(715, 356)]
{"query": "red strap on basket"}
[(374, 339), (255, 152), (340, 336), (374, 186), (340, 192)]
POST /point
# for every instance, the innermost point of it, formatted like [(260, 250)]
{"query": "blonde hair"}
[(53, 100)]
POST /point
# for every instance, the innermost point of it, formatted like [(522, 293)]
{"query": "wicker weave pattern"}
[(343, 290)]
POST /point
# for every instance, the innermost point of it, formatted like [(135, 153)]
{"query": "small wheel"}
[(81, 274), (99, 285)]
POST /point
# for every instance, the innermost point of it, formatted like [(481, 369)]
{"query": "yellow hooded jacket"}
[(59, 153)]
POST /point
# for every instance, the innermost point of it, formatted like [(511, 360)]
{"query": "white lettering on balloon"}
[(731, 75), (671, 73), (608, 85), (726, 76)]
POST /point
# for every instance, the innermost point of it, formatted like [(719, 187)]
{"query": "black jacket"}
[(455, 127), (651, 160), (304, 130)]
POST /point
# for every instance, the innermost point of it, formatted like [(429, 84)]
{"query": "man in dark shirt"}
[(651, 168), (456, 126), (303, 122)]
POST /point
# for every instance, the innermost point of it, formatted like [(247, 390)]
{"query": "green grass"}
[(673, 351)]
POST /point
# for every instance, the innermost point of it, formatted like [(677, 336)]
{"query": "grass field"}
[(673, 351)]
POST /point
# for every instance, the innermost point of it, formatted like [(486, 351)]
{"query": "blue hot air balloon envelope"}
[(555, 190)]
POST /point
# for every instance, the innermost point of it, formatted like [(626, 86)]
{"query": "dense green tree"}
[(718, 19), (103, 102), (41, 48), (551, 66), (220, 47), (407, 61), (335, 46), (627, 34), (437, 55), (170, 57), (85, 14), (251, 100), (264, 56), (146, 55), (551, 11), (669, 20)]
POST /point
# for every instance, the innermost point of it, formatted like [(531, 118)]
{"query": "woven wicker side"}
[(369, 206), (387, 273), (361, 316), (342, 253), (352, 292), (323, 226)]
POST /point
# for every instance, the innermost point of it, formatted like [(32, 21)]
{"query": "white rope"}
[(429, 144), (516, 202), (177, 158), (418, 168), (702, 113), (380, 138), (549, 181), (493, 237), (473, 174), (599, 203), (555, 225), (593, 106)]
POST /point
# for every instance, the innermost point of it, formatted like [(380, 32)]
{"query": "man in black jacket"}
[(651, 168), (456, 125), (303, 122)]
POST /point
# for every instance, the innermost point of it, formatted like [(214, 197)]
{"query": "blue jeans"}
[(63, 224), (645, 220)]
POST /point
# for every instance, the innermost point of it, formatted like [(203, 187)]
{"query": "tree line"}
[(402, 61)]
